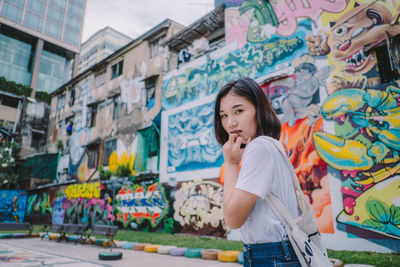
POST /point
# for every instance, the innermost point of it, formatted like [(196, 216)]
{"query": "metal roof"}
[(202, 27)]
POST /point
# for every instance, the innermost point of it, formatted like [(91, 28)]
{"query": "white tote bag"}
[(302, 231)]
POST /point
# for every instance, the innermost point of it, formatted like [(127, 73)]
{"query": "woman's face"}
[(238, 115)]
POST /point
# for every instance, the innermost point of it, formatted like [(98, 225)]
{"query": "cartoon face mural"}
[(12, 205), (353, 38), (136, 204), (198, 208), (191, 141)]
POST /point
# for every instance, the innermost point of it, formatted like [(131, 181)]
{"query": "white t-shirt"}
[(263, 170)]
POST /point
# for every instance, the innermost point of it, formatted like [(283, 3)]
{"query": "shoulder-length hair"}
[(267, 121)]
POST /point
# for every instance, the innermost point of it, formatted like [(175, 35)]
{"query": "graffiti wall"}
[(12, 205), (141, 206), (198, 208), (329, 69)]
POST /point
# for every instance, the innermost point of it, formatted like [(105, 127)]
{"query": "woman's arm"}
[(237, 204)]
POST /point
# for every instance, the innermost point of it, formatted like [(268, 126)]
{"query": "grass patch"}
[(191, 241)]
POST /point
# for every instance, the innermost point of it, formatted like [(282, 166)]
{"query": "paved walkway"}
[(35, 252)]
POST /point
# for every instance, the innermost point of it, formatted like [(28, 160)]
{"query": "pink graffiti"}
[(236, 29), (104, 206), (289, 10)]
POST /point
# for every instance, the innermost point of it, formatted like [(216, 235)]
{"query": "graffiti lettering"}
[(83, 190), (199, 203), (137, 204)]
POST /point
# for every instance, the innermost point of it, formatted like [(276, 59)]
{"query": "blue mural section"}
[(191, 141), (254, 60), (12, 205)]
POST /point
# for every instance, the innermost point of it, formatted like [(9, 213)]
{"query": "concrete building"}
[(100, 45), (108, 111), (40, 41)]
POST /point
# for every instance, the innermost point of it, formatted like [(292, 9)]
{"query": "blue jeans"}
[(270, 254)]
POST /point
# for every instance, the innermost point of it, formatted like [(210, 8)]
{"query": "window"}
[(93, 157), (117, 106), (9, 101), (116, 69), (36, 140), (150, 91), (70, 125), (91, 116), (156, 48), (100, 79), (109, 147), (387, 59), (60, 101)]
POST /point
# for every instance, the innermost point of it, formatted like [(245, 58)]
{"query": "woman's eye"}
[(223, 116), (238, 111)]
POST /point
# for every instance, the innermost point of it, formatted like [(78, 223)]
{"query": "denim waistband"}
[(272, 249)]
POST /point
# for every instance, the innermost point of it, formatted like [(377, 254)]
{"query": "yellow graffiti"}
[(114, 161), (83, 190)]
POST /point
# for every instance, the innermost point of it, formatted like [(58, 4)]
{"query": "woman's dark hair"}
[(267, 121)]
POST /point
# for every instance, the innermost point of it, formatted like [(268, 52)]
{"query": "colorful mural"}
[(191, 141), (39, 207), (12, 205), (198, 208), (83, 205), (134, 205), (254, 60)]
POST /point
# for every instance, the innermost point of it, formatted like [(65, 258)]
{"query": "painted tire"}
[(241, 258), (51, 237), (118, 244), (210, 254), (110, 255), (6, 235), (193, 252), (151, 248), (336, 262), (19, 235), (127, 245), (99, 242), (228, 256), (139, 246), (34, 235), (73, 238), (106, 244), (164, 249), (177, 251)]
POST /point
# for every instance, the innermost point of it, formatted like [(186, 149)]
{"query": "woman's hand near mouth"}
[(233, 149)]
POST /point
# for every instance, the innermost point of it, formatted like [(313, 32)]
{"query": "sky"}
[(135, 17)]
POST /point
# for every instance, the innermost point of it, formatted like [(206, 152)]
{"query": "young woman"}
[(242, 114)]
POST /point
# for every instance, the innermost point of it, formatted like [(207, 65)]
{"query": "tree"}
[(8, 172)]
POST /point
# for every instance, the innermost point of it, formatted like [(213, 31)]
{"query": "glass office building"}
[(40, 41)]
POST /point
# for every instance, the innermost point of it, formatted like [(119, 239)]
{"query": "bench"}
[(11, 226), (106, 230), (64, 229)]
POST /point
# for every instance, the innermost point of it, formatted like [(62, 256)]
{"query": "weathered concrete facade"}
[(101, 110)]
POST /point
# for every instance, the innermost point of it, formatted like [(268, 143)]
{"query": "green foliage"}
[(105, 174), (22, 90), (8, 172), (14, 88), (123, 171), (59, 145), (43, 97)]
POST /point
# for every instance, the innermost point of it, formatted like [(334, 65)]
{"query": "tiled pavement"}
[(35, 252)]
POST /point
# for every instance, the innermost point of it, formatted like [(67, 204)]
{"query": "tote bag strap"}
[(299, 194)]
